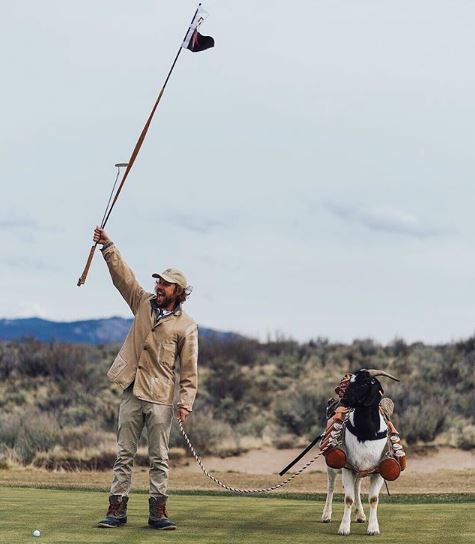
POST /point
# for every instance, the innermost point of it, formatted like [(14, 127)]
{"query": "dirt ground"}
[(272, 461), (444, 471), (441, 470)]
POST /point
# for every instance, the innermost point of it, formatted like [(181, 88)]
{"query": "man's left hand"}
[(182, 414)]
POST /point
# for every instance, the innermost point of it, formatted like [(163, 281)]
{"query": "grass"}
[(69, 517), (191, 479), (406, 498)]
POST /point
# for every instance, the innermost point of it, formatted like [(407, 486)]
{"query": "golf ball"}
[(36, 533)]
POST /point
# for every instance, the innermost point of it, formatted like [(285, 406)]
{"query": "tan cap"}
[(173, 275)]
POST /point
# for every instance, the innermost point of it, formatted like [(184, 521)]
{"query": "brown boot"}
[(117, 512), (158, 517)]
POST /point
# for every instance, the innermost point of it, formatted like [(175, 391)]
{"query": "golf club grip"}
[(83, 277)]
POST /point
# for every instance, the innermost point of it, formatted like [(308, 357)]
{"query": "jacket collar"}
[(156, 310)]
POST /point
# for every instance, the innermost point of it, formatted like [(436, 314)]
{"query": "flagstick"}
[(135, 152)]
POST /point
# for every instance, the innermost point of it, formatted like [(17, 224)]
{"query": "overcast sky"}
[(313, 174)]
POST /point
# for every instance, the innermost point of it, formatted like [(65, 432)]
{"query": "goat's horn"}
[(373, 373)]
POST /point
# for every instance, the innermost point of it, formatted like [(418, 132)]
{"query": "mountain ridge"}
[(88, 331)]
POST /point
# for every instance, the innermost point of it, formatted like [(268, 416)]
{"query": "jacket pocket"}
[(163, 390), (117, 366), (121, 372), (168, 353)]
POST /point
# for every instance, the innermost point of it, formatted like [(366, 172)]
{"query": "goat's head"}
[(364, 389)]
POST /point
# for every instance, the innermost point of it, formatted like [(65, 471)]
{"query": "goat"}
[(365, 440)]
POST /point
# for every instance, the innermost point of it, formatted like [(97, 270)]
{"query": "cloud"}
[(25, 309), (27, 263), (385, 219), (27, 230), (201, 225), (16, 223)]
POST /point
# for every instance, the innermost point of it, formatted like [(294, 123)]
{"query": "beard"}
[(163, 301)]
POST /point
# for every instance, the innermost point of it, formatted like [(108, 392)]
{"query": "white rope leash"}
[(235, 489)]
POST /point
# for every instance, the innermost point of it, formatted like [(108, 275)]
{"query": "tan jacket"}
[(151, 349)]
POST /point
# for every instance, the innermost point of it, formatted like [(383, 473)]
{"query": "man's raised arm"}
[(122, 276)]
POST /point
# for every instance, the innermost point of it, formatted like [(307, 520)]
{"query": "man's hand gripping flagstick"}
[(195, 42)]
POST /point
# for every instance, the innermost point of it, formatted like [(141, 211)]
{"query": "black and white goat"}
[(365, 440)]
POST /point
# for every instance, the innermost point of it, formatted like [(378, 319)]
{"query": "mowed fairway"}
[(69, 517)]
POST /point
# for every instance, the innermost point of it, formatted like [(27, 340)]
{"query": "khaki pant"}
[(134, 414)]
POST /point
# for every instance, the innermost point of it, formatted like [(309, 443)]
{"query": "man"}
[(144, 368)]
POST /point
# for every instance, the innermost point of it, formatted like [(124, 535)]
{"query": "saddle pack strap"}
[(361, 473), (377, 436), (335, 428)]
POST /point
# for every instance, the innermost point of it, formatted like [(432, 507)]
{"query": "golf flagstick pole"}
[(135, 152)]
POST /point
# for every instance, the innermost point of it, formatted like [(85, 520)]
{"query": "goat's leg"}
[(360, 515), (374, 488), (348, 478), (327, 511)]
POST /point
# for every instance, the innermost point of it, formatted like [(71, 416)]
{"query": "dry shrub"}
[(466, 438), (92, 459), (302, 412), (284, 441), (255, 426), (59, 459), (9, 427), (86, 459), (177, 454), (4, 464), (8, 458), (241, 379), (206, 434), (229, 448), (78, 438), (29, 433), (251, 442), (460, 435), (423, 422)]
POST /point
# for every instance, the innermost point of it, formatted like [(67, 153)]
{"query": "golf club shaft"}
[(297, 459)]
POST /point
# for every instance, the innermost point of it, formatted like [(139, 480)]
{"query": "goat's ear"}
[(374, 394)]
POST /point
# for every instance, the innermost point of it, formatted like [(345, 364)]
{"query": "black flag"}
[(198, 42), (194, 41)]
